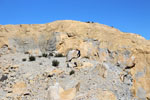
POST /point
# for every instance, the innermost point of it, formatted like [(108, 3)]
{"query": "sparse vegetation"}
[(67, 65), (51, 54), (55, 63), (59, 55), (86, 57), (72, 72), (24, 59), (39, 56), (44, 55), (89, 22), (32, 58), (50, 76), (26, 52)]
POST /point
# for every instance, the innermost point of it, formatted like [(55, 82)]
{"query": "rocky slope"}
[(71, 60)]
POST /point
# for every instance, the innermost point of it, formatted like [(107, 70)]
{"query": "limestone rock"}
[(56, 92), (106, 95), (73, 54), (19, 88)]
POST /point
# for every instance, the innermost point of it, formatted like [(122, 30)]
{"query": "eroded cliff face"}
[(99, 62)]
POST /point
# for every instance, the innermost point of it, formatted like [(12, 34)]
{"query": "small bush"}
[(39, 56), (44, 55), (59, 55), (51, 54), (50, 75), (32, 58), (67, 65), (55, 63), (72, 72), (24, 59), (26, 52), (88, 22)]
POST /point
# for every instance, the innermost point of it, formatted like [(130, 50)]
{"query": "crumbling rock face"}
[(42, 43), (99, 63)]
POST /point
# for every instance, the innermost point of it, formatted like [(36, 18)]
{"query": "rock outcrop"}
[(71, 60)]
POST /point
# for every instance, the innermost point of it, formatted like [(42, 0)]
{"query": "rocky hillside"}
[(71, 60)]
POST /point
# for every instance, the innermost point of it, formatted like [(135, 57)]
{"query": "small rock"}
[(72, 54), (19, 88), (3, 78)]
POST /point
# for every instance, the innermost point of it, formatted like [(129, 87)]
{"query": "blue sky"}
[(126, 15)]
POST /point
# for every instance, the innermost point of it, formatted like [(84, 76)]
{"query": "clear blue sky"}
[(126, 15)]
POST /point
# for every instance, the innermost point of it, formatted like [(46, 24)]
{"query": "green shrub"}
[(44, 55), (72, 72), (24, 59), (89, 22), (26, 52), (55, 63), (51, 54), (39, 56), (32, 58), (59, 55)]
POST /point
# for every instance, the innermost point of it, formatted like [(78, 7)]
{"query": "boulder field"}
[(72, 60)]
